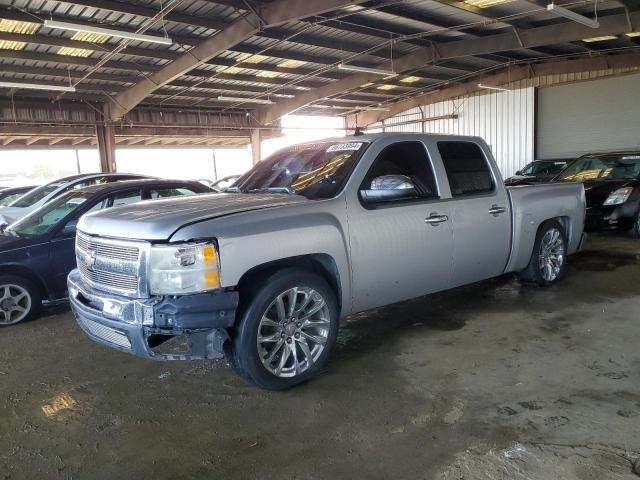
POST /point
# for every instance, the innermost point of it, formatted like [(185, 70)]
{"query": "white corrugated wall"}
[(504, 119)]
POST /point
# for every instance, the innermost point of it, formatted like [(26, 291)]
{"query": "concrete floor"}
[(490, 381)]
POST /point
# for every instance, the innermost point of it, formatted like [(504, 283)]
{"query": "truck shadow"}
[(589, 279)]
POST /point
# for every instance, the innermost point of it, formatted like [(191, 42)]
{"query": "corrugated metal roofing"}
[(359, 36)]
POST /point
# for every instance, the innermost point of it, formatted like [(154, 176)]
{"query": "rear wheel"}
[(286, 330), (20, 299), (548, 258)]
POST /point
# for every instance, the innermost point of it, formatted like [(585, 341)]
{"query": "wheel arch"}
[(22, 271), (320, 263)]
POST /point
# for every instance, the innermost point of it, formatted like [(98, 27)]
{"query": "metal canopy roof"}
[(281, 56)]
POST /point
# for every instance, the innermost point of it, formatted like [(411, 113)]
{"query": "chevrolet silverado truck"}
[(264, 272)]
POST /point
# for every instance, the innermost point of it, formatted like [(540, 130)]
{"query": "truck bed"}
[(531, 204)]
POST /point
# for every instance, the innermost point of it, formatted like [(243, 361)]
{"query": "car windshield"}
[(612, 167), (7, 198), (36, 195), (315, 171), (542, 168), (45, 218)]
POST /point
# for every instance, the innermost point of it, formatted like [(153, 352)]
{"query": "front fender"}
[(250, 239)]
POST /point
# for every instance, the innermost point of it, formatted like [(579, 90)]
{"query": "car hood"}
[(597, 191), (159, 219)]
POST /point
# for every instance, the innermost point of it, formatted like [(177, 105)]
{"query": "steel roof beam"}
[(603, 62), (533, 37), (272, 14), (142, 11)]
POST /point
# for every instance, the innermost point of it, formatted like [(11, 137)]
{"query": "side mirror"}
[(519, 172), (69, 229), (387, 188)]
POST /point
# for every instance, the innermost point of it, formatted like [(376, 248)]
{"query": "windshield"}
[(36, 195), (45, 218), (315, 171), (614, 167), (542, 168), (6, 199)]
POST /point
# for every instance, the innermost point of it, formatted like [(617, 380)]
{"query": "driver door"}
[(398, 251)]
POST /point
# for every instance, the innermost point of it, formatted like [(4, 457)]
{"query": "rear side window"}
[(467, 168), (166, 192)]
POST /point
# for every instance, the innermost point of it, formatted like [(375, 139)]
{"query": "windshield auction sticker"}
[(343, 147)]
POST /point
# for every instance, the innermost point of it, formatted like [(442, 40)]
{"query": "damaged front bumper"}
[(141, 326)]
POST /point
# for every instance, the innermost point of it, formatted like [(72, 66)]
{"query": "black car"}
[(611, 182), (10, 194), (537, 172), (37, 252)]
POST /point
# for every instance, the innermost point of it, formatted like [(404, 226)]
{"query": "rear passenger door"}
[(479, 212)]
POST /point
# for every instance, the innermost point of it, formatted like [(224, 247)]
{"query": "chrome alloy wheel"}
[(551, 257), (15, 304), (293, 331)]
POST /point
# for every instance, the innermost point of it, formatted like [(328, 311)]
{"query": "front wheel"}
[(19, 300), (548, 258), (286, 330), (635, 228)]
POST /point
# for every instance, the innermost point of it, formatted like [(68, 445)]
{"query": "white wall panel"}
[(595, 116), (503, 119)]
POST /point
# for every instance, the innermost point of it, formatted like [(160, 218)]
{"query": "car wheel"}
[(286, 329), (548, 258), (20, 300), (635, 228)]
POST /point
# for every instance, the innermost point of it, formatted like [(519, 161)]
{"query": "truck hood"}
[(159, 219)]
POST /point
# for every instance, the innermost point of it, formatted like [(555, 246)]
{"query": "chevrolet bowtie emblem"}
[(89, 259)]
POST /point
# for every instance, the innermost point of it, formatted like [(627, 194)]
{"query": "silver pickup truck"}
[(317, 231)]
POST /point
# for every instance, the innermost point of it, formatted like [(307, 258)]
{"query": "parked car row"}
[(37, 251), (611, 182)]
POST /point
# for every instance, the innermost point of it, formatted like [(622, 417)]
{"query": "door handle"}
[(435, 219), (495, 210)]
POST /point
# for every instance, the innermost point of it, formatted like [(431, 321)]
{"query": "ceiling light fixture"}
[(74, 27), (355, 68), (486, 3), (264, 101), (576, 17), (37, 86), (491, 87), (372, 109), (632, 34), (603, 38)]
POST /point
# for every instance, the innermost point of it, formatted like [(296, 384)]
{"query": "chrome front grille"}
[(105, 333), (123, 281), (115, 266), (117, 252)]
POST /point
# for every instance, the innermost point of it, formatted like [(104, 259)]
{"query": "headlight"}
[(182, 269), (619, 196)]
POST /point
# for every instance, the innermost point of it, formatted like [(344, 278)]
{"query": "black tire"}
[(533, 272), (14, 283), (242, 351), (635, 228)]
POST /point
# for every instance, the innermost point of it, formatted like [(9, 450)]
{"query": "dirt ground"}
[(491, 381)]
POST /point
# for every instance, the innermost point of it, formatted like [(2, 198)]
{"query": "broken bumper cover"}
[(139, 326)]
